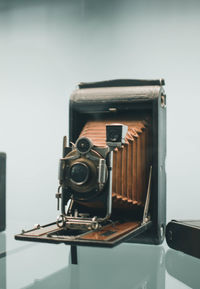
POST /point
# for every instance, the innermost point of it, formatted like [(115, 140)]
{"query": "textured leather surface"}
[(122, 83), (120, 94)]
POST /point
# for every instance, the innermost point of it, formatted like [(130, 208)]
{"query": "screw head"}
[(162, 232)]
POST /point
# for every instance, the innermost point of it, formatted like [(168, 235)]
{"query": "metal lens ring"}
[(60, 222), (79, 173), (84, 145)]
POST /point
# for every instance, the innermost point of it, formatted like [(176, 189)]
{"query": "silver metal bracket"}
[(146, 216), (58, 196), (78, 223)]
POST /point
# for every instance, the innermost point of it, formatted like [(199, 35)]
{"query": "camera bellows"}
[(131, 161)]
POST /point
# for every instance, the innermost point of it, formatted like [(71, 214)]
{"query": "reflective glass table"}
[(135, 266)]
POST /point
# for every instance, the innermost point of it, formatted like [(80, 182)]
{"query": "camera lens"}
[(113, 135), (83, 145), (79, 173)]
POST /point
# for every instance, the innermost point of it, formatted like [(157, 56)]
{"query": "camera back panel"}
[(138, 214)]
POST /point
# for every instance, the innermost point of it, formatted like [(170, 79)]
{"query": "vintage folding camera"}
[(2, 191), (112, 181)]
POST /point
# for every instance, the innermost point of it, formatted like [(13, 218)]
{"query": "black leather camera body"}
[(112, 180), (2, 191)]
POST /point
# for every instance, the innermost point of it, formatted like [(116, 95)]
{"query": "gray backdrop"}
[(47, 47)]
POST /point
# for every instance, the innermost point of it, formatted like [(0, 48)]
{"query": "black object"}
[(122, 83), (74, 255), (2, 191), (184, 236), (115, 99)]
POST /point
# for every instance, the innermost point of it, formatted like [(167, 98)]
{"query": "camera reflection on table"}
[(184, 268), (2, 260), (127, 266), (132, 266)]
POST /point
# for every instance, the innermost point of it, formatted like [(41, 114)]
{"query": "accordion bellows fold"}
[(131, 162)]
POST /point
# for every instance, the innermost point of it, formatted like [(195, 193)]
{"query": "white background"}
[(47, 47)]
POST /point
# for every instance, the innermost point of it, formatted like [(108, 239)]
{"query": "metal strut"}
[(74, 255), (146, 207)]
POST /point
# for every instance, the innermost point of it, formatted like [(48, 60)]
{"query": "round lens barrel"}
[(114, 135), (83, 145), (79, 173)]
